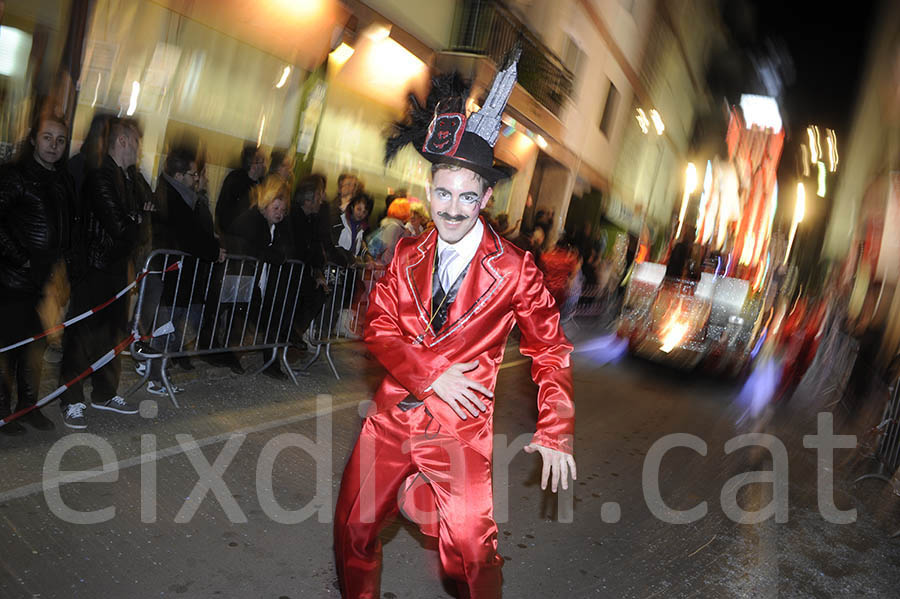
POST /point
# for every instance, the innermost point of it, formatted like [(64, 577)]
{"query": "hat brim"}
[(493, 174)]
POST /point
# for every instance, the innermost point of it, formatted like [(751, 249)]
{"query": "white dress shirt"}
[(465, 248)]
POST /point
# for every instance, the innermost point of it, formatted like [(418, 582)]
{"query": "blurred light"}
[(832, 150), (762, 111), (523, 144), (132, 103), (284, 77), (673, 331), (804, 159), (705, 215), (300, 8), (800, 210), (657, 121), (774, 210), (341, 54), (818, 141), (813, 156), (262, 127), (821, 190), (378, 33), (799, 213), (834, 145), (605, 349), (690, 183), (762, 273), (540, 141), (15, 45), (747, 251), (642, 120), (390, 64), (97, 88)]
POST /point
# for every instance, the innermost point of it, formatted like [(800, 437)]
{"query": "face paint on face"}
[(456, 199)]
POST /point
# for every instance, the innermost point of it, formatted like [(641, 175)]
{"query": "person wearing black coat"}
[(313, 247), (263, 233), (115, 210), (37, 209), (181, 222), (234, 197)]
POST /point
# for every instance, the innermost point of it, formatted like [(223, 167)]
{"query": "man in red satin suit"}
[(438, 321)]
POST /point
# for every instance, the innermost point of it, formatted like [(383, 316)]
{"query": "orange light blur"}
[(674, 331)]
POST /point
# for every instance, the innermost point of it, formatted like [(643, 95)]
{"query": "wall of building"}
[(872, 147), (649, 170)]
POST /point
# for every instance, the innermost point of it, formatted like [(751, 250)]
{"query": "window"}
[(607, 117), (573, 57), (574, 61)]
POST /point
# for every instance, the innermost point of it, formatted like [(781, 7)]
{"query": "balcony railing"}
[(488, 28)]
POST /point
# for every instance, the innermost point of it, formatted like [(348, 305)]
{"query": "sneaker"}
[(154, 388), (73, 417), (117, 404), (140, 368), (37, 419), (13, 429)]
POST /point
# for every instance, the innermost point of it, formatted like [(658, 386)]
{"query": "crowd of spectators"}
[(94, 218)]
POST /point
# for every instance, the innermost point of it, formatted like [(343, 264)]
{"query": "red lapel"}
[(418, 273)]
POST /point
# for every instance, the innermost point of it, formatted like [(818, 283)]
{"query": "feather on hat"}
[(442, 133)]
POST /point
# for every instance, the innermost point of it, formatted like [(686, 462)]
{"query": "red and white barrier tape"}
[(94, 310), (97, 365)]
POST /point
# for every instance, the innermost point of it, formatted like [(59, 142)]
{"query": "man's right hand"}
[(221, 255), (458, 391)]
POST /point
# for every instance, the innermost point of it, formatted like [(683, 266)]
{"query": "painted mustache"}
[(453, 217)]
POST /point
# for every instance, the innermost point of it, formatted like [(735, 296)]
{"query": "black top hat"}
[(450, 137)]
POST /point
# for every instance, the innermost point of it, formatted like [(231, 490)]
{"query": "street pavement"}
[(261, 526)]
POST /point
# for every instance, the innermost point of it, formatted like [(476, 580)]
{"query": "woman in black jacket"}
[(37, 208), (263, 233)]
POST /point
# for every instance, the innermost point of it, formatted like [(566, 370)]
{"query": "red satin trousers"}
[(393, 448)]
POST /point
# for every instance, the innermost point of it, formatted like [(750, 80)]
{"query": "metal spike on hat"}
[(485, 123)]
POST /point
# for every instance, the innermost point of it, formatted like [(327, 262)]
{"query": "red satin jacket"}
[(502, 287)]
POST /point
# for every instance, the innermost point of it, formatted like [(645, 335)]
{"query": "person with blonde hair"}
[(263, 233), (418, 218)]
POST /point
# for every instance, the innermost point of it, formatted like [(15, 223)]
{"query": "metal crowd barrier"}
[(888, 449), (201, 308), (342, 315)]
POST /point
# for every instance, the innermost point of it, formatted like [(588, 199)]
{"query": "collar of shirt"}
[(465, 247), (187, 194)]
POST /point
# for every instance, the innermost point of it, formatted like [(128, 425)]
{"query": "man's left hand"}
[(556, 462)]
